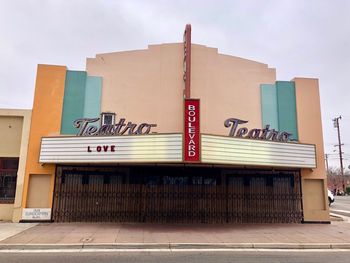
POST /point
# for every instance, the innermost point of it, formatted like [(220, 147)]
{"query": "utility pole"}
[(336, 125), (326, 158)]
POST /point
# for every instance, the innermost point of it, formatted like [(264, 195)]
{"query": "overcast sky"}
[(298, 38)]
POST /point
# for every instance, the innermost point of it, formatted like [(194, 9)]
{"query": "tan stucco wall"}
[(22, 139), (147, 86), (6, 211), (310, 131), (143, 86), (228, 87), (38, 198), (10, 135)]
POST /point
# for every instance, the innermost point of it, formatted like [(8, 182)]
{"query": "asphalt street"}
[(180, 257), (341, 205)]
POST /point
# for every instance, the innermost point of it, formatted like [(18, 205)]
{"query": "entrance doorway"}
[(176, 194)]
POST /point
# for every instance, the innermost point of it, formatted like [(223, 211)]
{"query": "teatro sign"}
[(87, 128), (262, 134)]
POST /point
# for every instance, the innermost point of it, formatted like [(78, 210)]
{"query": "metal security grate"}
[(112, 195)]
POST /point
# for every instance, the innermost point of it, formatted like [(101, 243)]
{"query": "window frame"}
[(11, 185)]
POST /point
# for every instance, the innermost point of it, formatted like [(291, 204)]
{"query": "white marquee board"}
[(167, 148), (229, 150), (120, 149)]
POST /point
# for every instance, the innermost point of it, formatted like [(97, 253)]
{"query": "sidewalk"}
[(11, 229), (110, 235)]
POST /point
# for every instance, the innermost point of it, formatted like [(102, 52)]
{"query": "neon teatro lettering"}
[(261, 134), (86, 128)]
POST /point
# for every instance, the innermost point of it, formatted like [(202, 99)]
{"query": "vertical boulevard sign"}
[(192, 131), (191, 126)]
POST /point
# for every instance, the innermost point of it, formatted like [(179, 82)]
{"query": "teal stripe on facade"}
[(93, 90), (73, 102), (286, 107), (269, 105)]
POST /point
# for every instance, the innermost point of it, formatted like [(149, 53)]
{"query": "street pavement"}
[(341, 206), (165, 236), (181, 257), (10, 229), (85, 236)]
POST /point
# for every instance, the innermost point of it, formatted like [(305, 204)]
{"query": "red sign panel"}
[(192, 131)]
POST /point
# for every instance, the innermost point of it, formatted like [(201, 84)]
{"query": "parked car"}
[(330, 198)]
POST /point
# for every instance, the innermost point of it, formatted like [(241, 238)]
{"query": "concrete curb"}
[(173, 246), (339, 217)]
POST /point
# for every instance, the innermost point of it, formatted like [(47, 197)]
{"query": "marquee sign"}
[(151, 148), (192, 131), (262, 134), (86, 128), (237, 151)]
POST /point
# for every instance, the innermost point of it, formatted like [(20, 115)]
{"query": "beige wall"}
[(6, 211), (143, 86), (38, 191), (310, 131), (228, 87), (10, 135), (147, 86), (18, 143)]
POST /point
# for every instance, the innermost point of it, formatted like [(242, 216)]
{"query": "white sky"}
[(299, 38)]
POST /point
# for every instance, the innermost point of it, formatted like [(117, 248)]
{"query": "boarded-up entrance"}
[(176, 195)]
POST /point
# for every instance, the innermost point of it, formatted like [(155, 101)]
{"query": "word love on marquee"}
[(101, 148), (191, 132), (261, 134)]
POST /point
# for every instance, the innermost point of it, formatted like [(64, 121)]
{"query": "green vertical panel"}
[(286, 105), (92, 105), (73, 103), (269, 105)]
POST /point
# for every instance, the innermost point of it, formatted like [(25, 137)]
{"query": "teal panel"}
[(73, 102), (286, 108), (92, 105), (268, 94)]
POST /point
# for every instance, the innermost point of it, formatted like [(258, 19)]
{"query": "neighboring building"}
[(230, 145), (14, 134)]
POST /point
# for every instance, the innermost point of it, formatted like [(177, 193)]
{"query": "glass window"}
[(85, 179), (8, 179), (210, 181), (175, 180), (107, 118), (197, 180)]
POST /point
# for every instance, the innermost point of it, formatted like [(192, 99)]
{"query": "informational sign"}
[(36, 214), (192, 131)]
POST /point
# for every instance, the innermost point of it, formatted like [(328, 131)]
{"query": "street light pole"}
[(336, 125)]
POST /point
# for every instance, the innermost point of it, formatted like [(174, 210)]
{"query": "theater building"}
[(14, 134), (175, 133)]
